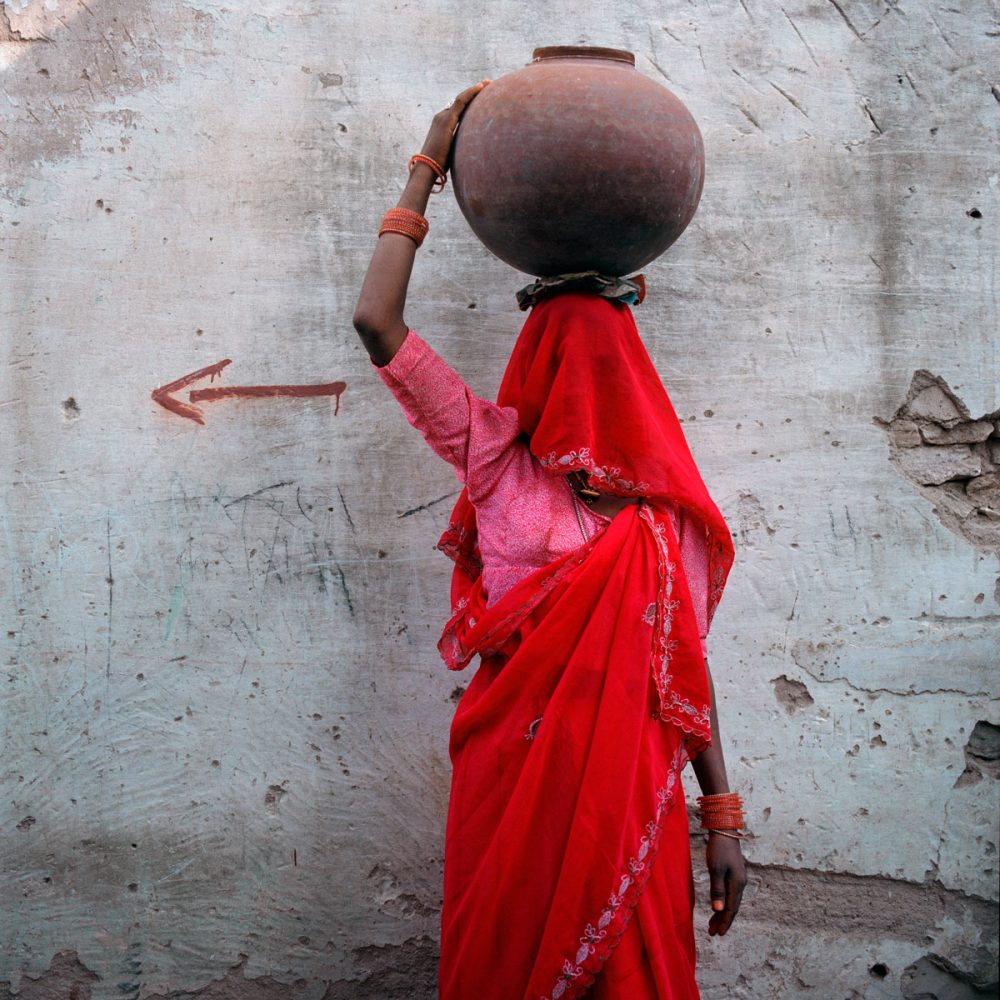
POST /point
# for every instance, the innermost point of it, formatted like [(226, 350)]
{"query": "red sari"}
[(566, 856)]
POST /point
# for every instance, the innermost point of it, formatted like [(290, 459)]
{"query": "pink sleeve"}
[(694, 555), (472, 434)]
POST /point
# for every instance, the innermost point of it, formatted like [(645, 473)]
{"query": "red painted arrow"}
[(164, 394)]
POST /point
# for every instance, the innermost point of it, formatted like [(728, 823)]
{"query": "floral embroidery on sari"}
[(716, 584), (693, 719), (582, 459), (600, 937), (455, 544)]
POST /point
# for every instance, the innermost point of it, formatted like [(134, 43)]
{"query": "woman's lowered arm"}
[(726, 869), (378, 316)]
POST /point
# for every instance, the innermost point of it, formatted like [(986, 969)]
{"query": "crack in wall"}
[(820, 661)]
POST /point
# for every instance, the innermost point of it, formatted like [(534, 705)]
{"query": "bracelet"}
[(405, 222), (442, 178), (735, 834), (723, 811)]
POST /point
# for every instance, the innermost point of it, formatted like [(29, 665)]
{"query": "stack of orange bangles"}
[(722, 814), (406, 222)]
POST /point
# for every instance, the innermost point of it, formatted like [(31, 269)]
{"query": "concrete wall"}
[(223, 755)]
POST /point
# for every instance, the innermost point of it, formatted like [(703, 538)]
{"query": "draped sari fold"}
[(564, 773)]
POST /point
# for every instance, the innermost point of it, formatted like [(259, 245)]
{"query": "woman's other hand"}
[(728, 877), (441, 136)]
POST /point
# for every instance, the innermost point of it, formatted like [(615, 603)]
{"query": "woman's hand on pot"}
[(441, 136), (728, 877)]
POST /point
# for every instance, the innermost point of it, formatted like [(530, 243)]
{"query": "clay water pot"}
[(578, 162)]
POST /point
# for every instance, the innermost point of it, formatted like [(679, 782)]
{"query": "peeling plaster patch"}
[(391, 972), (952, 458), (325, 79), (984, 743), (982, 755), (390, 898), (106, 52), (71, 410), (67, 978), (24, 27), (935, 978), (792, 695), (273, 797), (751, 519), (877, 908), (235, 986)]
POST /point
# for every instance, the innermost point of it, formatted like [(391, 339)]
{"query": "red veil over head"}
[(588, 397)]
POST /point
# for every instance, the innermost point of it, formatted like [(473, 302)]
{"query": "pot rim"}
[(582, 52)]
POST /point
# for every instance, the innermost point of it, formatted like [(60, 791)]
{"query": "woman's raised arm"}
[(378, 316)]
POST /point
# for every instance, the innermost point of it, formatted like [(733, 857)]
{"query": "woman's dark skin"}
[(378, 318)]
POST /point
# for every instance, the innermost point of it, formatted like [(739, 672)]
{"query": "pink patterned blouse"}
[(526, 517)]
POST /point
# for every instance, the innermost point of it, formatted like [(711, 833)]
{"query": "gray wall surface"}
[(223, 754)]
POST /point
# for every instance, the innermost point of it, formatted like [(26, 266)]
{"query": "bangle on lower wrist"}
[(735, 834)]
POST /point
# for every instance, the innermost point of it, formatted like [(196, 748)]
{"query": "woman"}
[(588, 560)]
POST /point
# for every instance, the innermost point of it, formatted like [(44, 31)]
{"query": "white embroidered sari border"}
[(579, 972)]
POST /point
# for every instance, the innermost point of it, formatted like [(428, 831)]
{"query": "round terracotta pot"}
[(578, 162)]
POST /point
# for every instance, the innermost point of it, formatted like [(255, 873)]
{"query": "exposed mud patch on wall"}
[(235, 986), (391, 972), (77, 52), (67, 978), (406, 971), (875, 907), (792, 695), (951, 457), (21, 30), (935, 978), (982, 755)]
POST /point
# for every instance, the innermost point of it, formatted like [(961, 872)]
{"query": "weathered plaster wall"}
[(224, 761)]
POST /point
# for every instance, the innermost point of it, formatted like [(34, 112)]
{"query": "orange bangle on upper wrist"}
[(442, 177)]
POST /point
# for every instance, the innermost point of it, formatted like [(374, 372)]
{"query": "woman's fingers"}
[(445, 125), (457, 107), (721, 920), (727, 875), (463, 100), (735, 883), (717, 887), (717, 892)]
